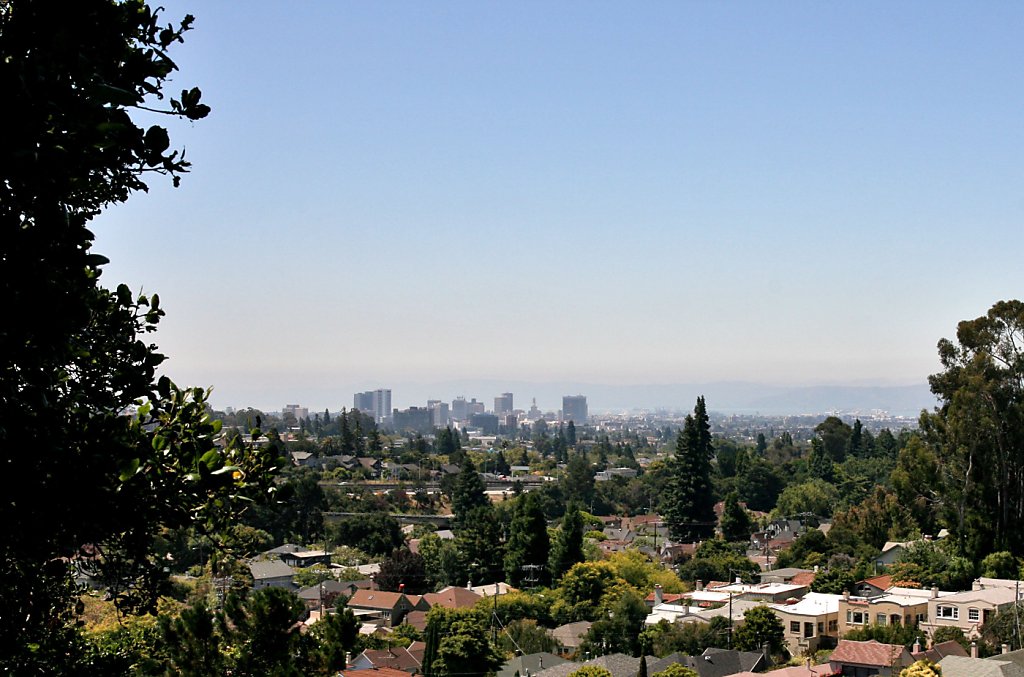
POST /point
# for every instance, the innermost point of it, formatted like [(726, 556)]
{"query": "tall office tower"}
[(476, 407), (439, 410), (460, 409), (574, 408), (503, 404), (363, 402), (382, 405)]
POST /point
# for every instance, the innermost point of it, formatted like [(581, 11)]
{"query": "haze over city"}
[(403, 195)]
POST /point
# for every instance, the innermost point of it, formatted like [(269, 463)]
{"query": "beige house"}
[(897, 606), (809, 620), (969, 610)]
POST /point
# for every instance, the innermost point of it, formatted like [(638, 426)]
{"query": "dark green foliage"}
[(578, 480), (568, 546), (1004, 628), (442, 562), (1000, 565), (74, 356), (759, 485), (375, 533), (526, 636), (192, 643), (834, 581), (468, 492), (934, 563), (947, 633), (264, 628), (480, 546), (895, 633), (457, 644), (809, 542), (335, 635), (714, 560), (619, 630), (690, 502), (518, 606), (978, 430), (686, 638), (527, 548), (735, 523), (760, 626), (879, 518), (917, 482)]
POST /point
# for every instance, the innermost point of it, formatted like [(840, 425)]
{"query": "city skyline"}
[(792, 196)]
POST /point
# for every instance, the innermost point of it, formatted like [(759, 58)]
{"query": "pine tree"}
[(568, 547), (690, 503), (570, 434), (528, 544), (469, 491)]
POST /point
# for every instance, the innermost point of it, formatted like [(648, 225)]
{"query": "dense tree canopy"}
[(92, 477), (978, 430)]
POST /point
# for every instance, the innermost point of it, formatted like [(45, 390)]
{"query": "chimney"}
[(700, 585), (846, 595), (766, 650), (974, 649), (935, 592), (976, 585), (1006, 648), (659, 597), (917, 646)]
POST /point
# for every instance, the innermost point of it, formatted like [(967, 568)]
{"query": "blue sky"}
[(623, 193)]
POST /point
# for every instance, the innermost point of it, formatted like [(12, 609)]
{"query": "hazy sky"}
[(623, 193)]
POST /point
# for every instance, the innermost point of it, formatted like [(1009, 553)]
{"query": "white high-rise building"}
[(377, 403)]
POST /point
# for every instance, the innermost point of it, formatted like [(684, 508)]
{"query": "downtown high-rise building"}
[(503, 404), (574, 408), (377, 403)]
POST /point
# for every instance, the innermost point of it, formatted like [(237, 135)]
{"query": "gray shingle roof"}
[(270, 569)]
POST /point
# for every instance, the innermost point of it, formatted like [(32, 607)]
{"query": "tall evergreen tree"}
[(568, 547), (528, 544), (690, 501), (736, 525), (469, 491), (578, 480), (570, 434)]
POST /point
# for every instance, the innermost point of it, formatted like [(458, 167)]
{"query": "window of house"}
[(973, 615), (821, 628), (857, 617), (880, 619), (833, 626), (950, 612), (794, 626)]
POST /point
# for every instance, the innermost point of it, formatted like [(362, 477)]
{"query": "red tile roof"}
[(868, 653), (883, 582)]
